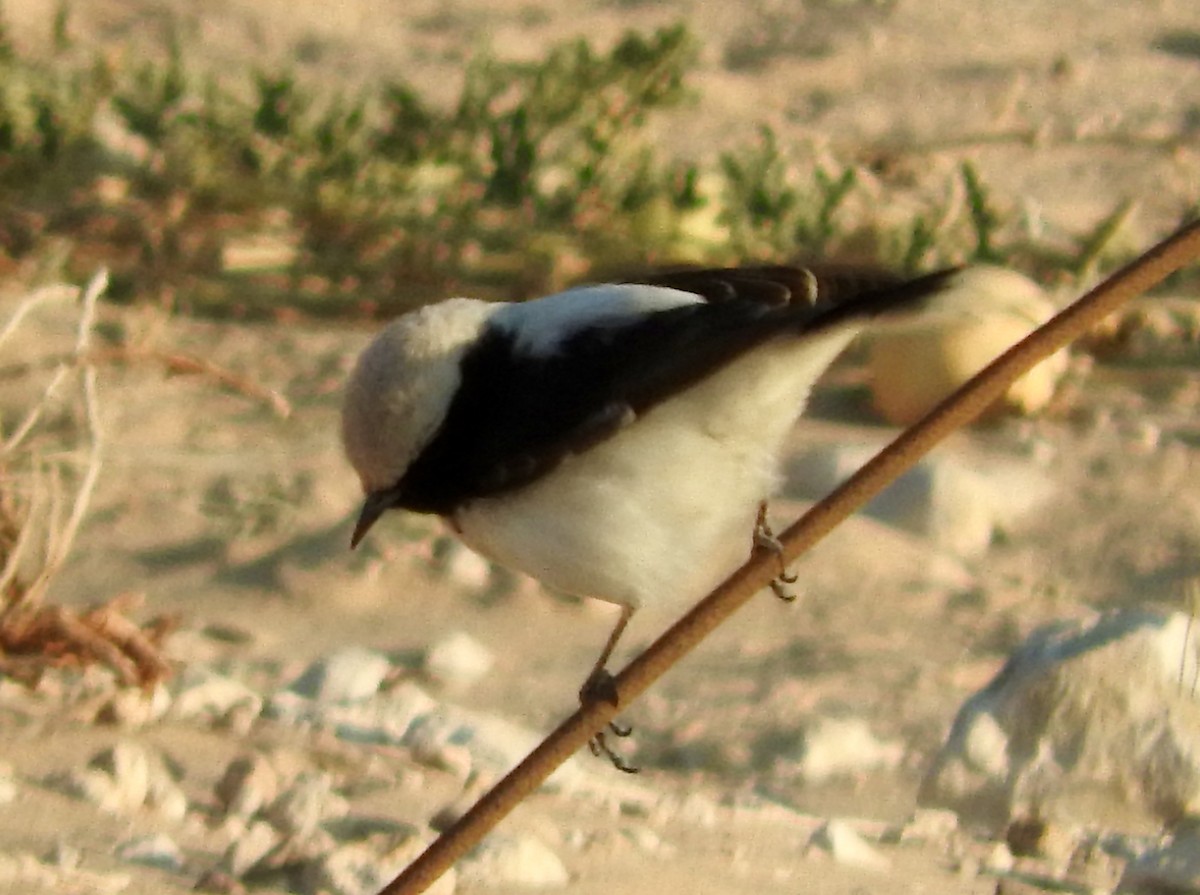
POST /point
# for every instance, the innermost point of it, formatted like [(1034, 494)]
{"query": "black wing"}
[(516, 416)]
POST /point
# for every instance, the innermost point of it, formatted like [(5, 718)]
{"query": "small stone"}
[(249, 783), (353, 674), (218, 882), (63, 856), (23, 872), (930, 825), (158, 850), (835, 747), (131, 707), (360, 869), (387, 718), (204, 694), (1172, 867), (300, 809), (117, 780), (514, 861), (1000, 859), (245, 852), (458, 661), (167, 800), (1018, 746), (956, 503), (845, 846), (126, 778), (466, 568), (648, 841)]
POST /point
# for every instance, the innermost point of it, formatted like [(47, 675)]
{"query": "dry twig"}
[(35, 637)]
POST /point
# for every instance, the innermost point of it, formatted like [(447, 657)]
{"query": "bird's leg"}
[(601, 687), (764, 539)]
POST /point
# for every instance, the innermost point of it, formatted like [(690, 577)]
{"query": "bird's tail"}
[(954, 295)]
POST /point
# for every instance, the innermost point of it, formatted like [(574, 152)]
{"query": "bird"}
[(615, 441)]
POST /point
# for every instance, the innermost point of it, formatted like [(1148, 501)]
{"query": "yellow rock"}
[(911, 371)]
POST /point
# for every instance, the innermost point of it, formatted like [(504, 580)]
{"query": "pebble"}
[(956, 503), (462, 741), (249, 783), (388, 718), (1171, 867), (506, 860), (1000, 859), (648, 841), (835, 747), (301, 808), (361, 869), (131, 707), (466, 568), (23, 872), (353, 674), (1019, 748), (123, 779), (458, 661), (249, 848), (843, 843), (929, 825), (157, 850), (206, 695)]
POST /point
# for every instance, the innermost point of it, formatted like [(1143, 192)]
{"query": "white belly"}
[(664, 511)]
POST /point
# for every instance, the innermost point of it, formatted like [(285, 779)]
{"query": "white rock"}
[(466, 568), (1000, 859), (387, 718), (930, 825), (117, 780), (492, 744), (957, 503), (157, 850), (833, 747), (1171, 867), (257, 841), (523, 861), (648, 841), (166, 799), (249, 783), (1083, 714), (458, 660), (352, 674), (360, 869), (201, 693), (23, 872), (844, 845), (132, 707), (301, 808)]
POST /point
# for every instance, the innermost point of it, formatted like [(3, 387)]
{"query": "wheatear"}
[(615, 441)]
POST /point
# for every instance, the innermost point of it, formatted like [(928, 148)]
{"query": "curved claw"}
[(599, 746)]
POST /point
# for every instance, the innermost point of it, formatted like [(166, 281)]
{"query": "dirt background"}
[(213, 507)]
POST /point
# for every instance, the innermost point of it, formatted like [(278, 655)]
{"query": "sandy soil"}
[(216, 509)]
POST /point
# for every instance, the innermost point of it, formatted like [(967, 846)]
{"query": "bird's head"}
[(399, 393)]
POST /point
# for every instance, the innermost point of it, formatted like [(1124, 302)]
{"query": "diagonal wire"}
[(1170, 255)]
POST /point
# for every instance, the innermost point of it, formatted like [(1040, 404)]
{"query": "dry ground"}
[(222, 512)]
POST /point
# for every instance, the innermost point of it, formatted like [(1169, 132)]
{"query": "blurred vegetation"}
[(259, 193)]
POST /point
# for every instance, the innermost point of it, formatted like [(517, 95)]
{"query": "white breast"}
[(663, 511)]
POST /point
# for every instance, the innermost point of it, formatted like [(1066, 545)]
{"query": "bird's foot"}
[(602, 687), (764, 539)]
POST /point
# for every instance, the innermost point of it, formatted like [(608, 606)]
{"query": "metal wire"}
[(956, 411)]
